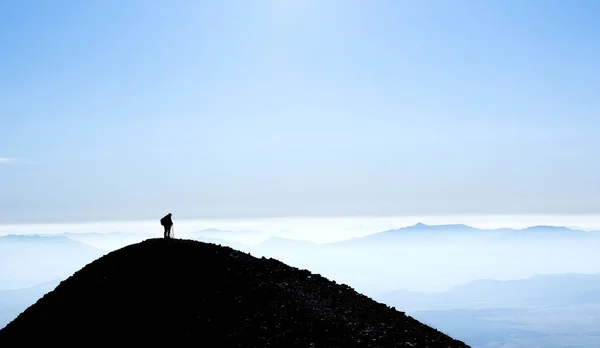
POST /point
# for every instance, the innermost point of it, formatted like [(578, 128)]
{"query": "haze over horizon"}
[(313, 229)]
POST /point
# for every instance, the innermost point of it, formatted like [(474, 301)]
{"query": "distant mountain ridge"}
[(15, 301), (258, 238), (418, 227), (422, 230), (541, 289), (37, 259)]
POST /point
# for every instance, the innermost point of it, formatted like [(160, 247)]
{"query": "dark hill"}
[(203, 295)]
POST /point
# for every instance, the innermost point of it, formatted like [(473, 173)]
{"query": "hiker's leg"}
[(166, 235)]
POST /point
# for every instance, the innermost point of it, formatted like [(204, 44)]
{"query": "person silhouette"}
[(167, 222)]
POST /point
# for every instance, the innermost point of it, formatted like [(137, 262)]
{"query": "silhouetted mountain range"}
[(108, 241), (420, 231), (243, 239), (183, 292), (37, 259), (539, 290), (15, 301), (545, 310)]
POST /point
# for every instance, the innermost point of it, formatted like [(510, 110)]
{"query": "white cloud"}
[(10, 160)]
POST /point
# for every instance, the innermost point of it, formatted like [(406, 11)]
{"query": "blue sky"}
[(127, 109)]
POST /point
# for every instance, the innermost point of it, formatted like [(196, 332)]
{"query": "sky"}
[(115, 110)]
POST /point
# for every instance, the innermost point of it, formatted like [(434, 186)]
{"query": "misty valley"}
[(533, 287)]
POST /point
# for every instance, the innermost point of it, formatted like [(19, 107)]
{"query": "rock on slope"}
[(198, 294)]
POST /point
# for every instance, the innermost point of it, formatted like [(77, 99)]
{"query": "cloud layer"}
[(10, 160)]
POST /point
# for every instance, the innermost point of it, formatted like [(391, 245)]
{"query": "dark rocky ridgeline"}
[(197, 294)]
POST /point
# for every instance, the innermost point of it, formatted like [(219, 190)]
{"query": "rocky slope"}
[(198, 294)]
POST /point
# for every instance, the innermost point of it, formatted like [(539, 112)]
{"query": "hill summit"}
[(189, 293)]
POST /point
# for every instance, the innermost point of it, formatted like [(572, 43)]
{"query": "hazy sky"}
[(115, 109)]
